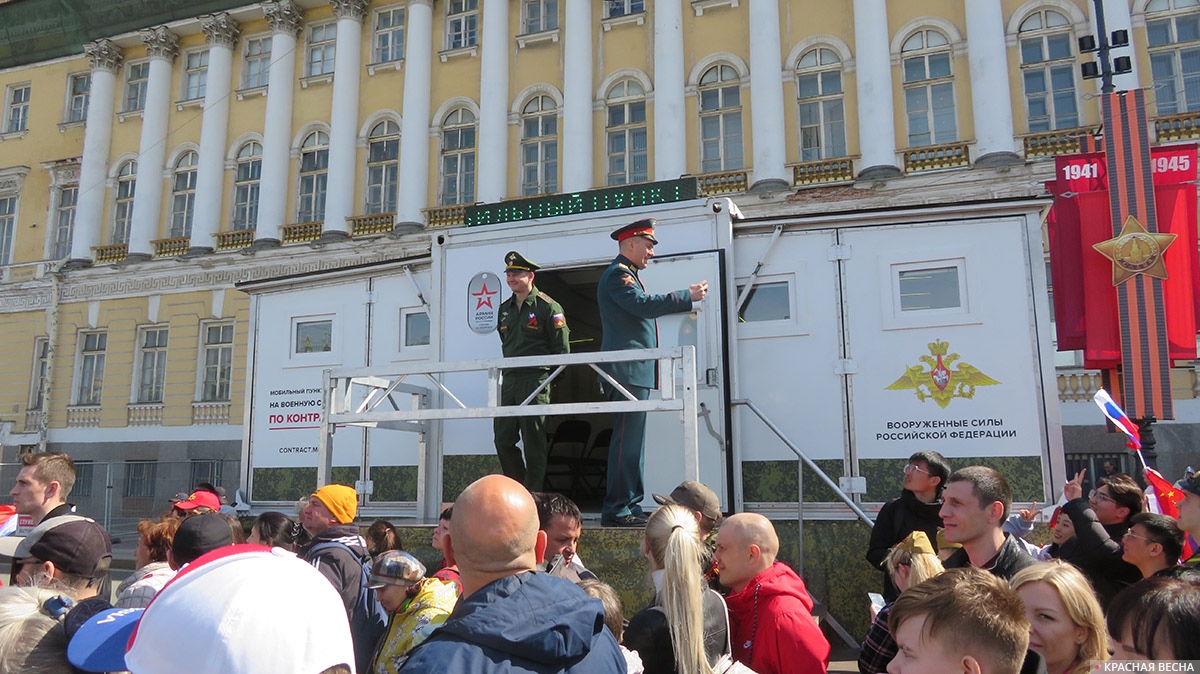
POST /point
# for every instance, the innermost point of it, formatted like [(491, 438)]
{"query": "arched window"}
[(383, 167), (929, 89), (539, 146), (458, 158), (1173, 35), (183, 195), (314, 166), (246, 186), (625, 134), (720, 119), (1048, 71), (822, 105), (123, 214)]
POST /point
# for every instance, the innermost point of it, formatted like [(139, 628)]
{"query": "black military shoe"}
[(624, 521)]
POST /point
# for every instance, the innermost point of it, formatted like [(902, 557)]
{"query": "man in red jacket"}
[(770, 611)]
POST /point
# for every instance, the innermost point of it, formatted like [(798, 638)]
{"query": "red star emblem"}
[(484, 297)]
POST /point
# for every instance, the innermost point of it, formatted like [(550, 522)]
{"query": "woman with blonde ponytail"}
[(684, 630)]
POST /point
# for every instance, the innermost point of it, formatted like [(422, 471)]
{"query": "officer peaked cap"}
[(640, 228), (514, 261)]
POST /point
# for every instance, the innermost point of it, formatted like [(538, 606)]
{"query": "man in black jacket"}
[(975, 505), (1101, 521), (915, 510), (335, 547)]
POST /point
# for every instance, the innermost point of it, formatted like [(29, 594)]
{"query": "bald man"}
[(512, 618), (770, 610)]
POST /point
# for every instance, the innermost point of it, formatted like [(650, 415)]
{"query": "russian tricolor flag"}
[(1121, 420)]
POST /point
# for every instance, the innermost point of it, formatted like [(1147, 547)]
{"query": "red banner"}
[(1085, 300)]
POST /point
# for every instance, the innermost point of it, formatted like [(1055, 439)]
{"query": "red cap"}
[(200, 498)]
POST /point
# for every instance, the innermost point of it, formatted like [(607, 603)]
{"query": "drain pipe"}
[(55, 274)]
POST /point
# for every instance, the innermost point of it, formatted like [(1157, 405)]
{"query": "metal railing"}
[(119, 494), (368, 397)]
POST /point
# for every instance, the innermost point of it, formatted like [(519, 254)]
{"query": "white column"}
[(162, 46), (492, 170), (221, 33), (414, 132), (343, 118), (991, 100), (873, 72), (766, 97), (1117, 17), (670, 122), (285, 20), (577, 165), (105, 57)]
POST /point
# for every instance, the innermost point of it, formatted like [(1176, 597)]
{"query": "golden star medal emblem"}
[(1136, 251)]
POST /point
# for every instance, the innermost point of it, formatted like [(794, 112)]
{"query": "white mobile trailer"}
[(843, 318)]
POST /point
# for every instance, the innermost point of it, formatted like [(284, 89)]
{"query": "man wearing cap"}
[(531, 323), (1189, 513), (336, 548), (196, 536), (705, 505), (627, 316), (70, 551), (198, 502)]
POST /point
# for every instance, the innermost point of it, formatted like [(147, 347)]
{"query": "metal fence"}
[(120, 493)]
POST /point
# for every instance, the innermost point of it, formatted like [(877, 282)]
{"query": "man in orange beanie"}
[(337, 549)]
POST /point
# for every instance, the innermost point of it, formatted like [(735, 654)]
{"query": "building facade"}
[(146, 172)]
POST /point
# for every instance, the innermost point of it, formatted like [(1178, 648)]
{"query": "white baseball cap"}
[(243, 609)]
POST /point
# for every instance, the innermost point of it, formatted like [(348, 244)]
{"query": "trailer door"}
[(704, 329)]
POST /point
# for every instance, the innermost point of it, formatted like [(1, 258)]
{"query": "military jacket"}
[(536, 327), (627, 316)]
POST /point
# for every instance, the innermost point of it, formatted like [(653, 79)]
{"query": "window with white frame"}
[(322, 41), (462, 23), (414, 328), (136, 77), (458, 158), (1173, 38), (183, 195), (625, 134), (256, 68), (389, 34), (1048, 71), (539, 146), (79, 87), (821, 99), (16, 112), (246, 180), (929, 89), (720, 119), (195, 74), (91, 367), (64, 221), (140, 478), (766, 301), (217, 363), (8, 226), (314, 336), (623, 7), (383, 167), (123, 202), (314, 176), (152, 365), (539, 15), (37, 384), (929, 288)]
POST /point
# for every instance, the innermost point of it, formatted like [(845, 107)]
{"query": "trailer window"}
[(314, 336), (414, 329), (935, 288), (766, 302)]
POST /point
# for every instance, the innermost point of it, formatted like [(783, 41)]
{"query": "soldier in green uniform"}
[(531, 324)]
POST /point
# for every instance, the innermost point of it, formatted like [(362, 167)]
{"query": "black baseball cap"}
[(200, 534), (74, 544)]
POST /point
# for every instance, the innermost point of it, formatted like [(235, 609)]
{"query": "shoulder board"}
[(622, 265), (547, 298)]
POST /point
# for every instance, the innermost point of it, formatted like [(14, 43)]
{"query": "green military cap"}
[(514, 261)]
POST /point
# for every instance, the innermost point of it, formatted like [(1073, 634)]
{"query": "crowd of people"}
[(963, 587), (316, 594)]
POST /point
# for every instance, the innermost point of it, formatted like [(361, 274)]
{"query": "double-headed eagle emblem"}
[(940, 382)]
